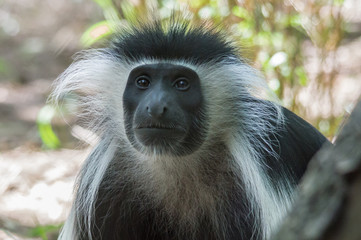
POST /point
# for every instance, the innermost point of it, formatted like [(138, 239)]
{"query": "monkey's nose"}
[(157, 110)]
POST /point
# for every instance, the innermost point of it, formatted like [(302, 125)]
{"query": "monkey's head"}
[(163, 105), (163, 89), (165, 111)]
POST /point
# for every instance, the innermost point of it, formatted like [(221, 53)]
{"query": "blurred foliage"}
[(5, 68), (272, 33), (45, 232), (95, 33), (54, 122), (47, 135)]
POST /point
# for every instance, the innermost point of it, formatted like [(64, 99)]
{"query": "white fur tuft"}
[(98, 78)]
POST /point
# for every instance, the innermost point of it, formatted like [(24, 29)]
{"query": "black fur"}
[(125, 214), (122, 213), (295, 144), (179, 42), (124, 210)]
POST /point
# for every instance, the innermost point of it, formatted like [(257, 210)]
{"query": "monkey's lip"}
[(155, 127), (158, 130), (156, 135), (158, 127)]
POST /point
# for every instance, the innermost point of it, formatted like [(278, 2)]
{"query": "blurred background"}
[(308, 50)]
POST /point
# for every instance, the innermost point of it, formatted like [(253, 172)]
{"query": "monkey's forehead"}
[(176, 41)]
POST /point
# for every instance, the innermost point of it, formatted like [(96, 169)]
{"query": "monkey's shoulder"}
[(301, 135), (296, 143)]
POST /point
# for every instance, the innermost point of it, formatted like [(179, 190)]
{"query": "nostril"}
[(156, 111), (149, 111)]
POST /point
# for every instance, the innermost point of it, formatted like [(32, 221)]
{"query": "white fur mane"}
[(98, 78)]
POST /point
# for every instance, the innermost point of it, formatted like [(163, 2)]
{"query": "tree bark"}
[(328, 206)]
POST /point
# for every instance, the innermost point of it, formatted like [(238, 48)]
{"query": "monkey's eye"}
[(182, 84), (142, 82)]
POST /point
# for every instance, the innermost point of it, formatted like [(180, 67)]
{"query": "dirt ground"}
[(37, 40)]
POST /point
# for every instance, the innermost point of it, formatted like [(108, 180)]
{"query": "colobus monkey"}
[(187, 148)]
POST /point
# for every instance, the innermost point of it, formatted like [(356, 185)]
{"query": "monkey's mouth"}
[(156, 127), (158, 134)]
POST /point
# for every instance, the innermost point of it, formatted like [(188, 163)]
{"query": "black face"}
[(163, 106)]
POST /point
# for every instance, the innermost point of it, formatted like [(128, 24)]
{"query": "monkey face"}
[(163, 109)]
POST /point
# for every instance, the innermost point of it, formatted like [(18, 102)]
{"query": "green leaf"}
[(197, 3), (42, 231), (104, 3), (96, 32), (296, 20), (240, 12), (46, 132), (302, 76), (338, 2)]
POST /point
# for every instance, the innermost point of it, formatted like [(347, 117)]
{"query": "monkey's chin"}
[(159, 137)]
